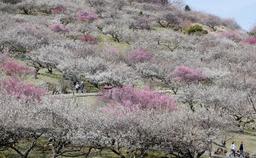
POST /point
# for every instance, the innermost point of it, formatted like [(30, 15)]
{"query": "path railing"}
[(81, 95)]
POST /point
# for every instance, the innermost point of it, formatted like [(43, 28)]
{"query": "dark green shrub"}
[(187, 8), (196, 29)]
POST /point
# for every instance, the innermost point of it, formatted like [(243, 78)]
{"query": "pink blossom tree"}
[(133, 98), (88, 38), (232, 35), (139, 55), (13, 68), (250, 41), (58, 28), (188, 74), (86, 15), (21, 90), (58, 9)]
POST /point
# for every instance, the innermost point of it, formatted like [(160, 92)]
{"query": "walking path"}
[(71, 95)]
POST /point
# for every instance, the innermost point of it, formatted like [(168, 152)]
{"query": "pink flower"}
[(21, 90), (139, 55), (86, 16), (12, 68), (187, 74), (133, 98), (58, 28)]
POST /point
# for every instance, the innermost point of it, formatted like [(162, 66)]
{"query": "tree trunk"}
[(49, 69), (36, 72)]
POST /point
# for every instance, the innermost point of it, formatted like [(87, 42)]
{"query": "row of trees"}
[(126, 130)]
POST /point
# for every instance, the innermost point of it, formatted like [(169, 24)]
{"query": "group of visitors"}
[(237, 152), (79, 86)]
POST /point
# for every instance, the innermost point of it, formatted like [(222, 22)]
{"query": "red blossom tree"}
[(58, 9), (139, 55), (86, 15), (187, 74), (13, 68), (250, 40), (58, 28), (88, 38), (21, 90), (133, 98)]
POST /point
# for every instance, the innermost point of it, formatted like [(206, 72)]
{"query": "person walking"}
[(77, 87), (241, 149), (233, 149), (82, 87)]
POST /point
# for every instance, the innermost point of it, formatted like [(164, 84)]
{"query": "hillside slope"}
[(129, 45)]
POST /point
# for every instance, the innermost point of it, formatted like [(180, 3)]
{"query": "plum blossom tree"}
[(88, 38), (170, 20), (226, 100), (58, 53), (83, 15), (24, 36), (13, 127), (100, 72), (250, 41), (27, 92), (142, 23), (235, 35), (130, 97), (150, 71), (139, 55), (205, 125), (120, 32), (110, 53), (187, 74), (13, 68), (58, 28), (58, 9), (118, 75)]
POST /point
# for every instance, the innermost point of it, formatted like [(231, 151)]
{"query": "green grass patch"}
[(248, 138), (45, 77), (105, 38), (249, 141)]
